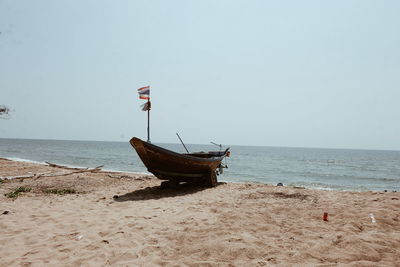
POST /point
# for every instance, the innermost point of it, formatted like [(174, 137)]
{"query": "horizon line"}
[(80, 140)]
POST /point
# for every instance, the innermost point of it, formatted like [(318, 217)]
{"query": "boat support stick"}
[(182, 143)]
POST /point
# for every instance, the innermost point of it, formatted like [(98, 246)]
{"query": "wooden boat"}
[(198, 168)]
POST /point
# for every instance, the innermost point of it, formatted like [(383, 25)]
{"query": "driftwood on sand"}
[(46, 174), (17, 177), (72, 168), (140, 177)]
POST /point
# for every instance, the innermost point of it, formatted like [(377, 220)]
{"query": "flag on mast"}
[(146, 106), (144, 92)]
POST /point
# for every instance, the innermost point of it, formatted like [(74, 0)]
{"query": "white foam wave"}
[(26, 160)]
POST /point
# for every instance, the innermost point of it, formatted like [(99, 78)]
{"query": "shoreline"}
[(103, 218), (221, 179)]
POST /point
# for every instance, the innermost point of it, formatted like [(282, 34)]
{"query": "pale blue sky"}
[(275, 73)]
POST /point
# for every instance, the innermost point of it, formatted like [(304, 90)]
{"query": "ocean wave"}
[(26, 160)]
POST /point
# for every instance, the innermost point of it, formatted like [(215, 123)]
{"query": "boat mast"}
[(148, 120)]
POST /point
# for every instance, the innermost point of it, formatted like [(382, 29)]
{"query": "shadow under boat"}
[(158, 192)]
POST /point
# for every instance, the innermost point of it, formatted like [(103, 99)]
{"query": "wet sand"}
[(75, 220)]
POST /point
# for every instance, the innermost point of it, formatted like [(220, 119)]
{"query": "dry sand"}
[(229, 225)]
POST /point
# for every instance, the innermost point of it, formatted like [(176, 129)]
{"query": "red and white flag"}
[(144, 92)]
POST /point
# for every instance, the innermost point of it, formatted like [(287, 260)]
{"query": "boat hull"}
[(175, 167)]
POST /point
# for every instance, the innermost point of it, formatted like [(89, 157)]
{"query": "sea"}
[(317, 168)]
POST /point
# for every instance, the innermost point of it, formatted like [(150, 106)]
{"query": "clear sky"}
[(274, 73)]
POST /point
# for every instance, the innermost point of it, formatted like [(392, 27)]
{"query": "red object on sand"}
[(325, 216)]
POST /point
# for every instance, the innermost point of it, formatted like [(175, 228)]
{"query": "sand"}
[(228, 225)]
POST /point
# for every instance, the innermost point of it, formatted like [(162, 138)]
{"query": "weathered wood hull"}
[(176, 167)]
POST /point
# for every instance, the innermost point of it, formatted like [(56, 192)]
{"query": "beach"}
[(97, 218)]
